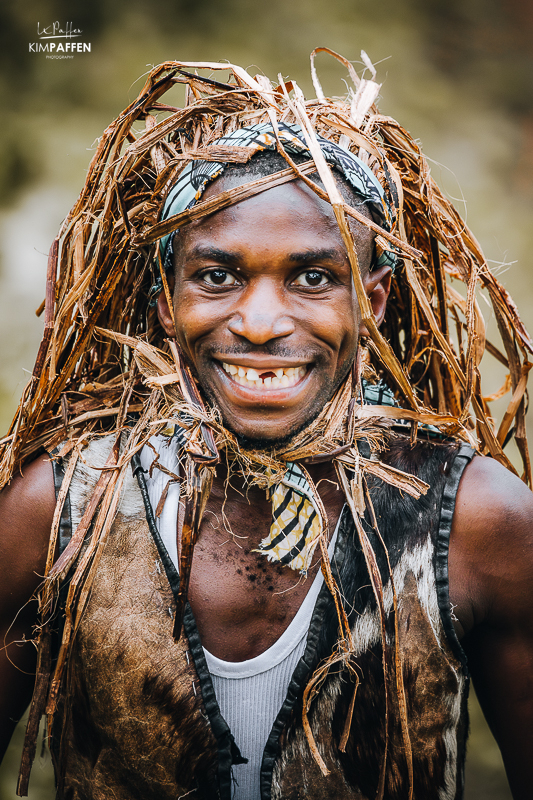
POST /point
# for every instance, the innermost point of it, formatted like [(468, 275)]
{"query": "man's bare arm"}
[(491, 583), (26, 512)]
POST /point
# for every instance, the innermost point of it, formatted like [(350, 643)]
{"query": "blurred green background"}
[(456, 73)]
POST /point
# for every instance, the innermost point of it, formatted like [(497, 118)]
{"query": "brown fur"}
[(434, 683), (136, 729)]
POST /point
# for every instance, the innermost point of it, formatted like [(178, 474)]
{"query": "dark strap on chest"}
[(228, 752), (65, 521), (463, 458)]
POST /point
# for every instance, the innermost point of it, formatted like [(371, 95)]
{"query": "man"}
[(333, 619)]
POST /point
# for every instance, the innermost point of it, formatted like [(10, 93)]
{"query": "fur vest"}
[(139, 720)]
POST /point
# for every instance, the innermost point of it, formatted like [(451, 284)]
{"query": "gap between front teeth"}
[(284, 377)]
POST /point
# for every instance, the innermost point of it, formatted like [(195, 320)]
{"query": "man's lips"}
[(265, 377)]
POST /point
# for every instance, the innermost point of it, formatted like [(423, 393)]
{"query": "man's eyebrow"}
[(213, 254), (312, 256)]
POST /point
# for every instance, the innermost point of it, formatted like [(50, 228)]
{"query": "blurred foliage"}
[(456, 72), (485, 45)]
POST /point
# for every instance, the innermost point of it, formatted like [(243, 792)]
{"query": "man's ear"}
[(163, 311), (377, 287)]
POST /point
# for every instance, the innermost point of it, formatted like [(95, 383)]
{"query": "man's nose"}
[(261, 315)]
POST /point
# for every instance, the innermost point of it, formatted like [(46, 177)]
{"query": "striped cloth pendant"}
[(296, 522)]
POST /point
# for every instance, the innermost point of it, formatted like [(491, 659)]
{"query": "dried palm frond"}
[(102, 263)]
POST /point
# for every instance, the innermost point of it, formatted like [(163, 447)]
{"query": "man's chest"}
[(242, 602)]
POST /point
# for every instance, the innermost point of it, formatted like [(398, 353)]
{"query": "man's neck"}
[(237, 491)]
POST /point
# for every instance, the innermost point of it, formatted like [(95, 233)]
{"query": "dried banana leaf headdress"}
[(104, 366)]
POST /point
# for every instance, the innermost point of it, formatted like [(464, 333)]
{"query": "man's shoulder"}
[(491, 490), (494, 508), (491, 548), (26, 512)]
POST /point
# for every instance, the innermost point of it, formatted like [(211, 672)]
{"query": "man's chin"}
[(273, 442)]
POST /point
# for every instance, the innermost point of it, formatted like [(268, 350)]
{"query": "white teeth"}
[(285, 377)]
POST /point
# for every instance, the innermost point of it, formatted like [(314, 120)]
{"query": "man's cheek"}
[(193, 318), (339, 331)]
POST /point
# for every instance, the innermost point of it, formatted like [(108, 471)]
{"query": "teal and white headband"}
[(194, 178)]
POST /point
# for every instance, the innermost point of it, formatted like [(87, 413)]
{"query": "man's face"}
[(265, 309)]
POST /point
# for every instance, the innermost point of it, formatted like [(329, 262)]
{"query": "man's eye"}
[(311, 278), (219, 277)]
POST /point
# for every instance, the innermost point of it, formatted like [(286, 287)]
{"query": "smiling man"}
[(355, 560), (293, 328)]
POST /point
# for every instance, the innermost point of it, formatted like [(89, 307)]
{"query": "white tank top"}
[(249, 693)]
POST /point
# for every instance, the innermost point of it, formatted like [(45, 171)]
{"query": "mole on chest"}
[(242, 602)]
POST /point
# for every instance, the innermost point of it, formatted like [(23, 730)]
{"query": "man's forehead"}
[(290, 202), (358, 185), (236, 176), (292, 215)]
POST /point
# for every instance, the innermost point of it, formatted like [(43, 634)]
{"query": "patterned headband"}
[(193, 180)]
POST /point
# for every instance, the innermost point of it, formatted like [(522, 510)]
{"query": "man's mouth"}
[(264, 378)]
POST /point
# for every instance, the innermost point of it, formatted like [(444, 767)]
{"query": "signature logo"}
[(59, 40), (55, 31)]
